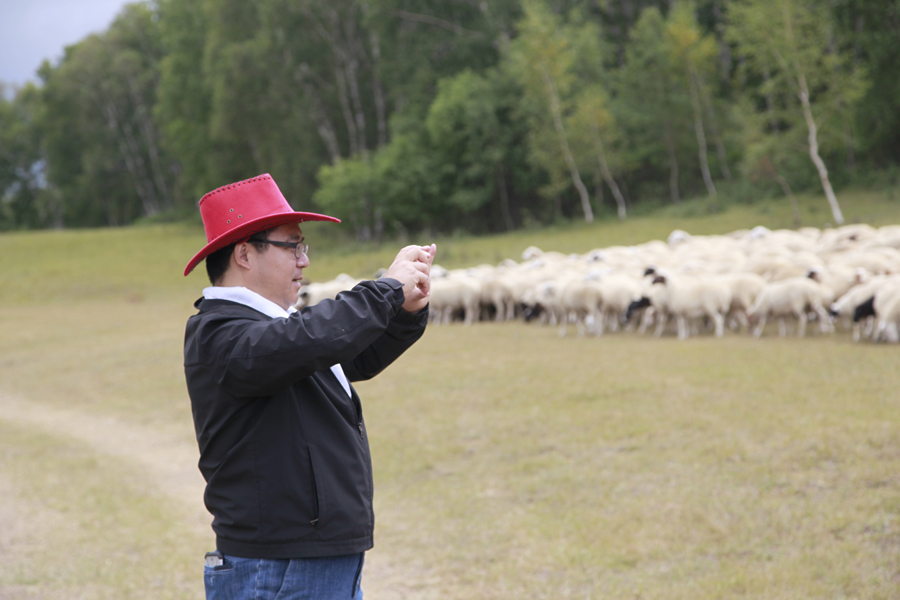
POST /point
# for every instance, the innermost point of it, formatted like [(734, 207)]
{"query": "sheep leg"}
[(590, 322), (825, 325), (782, 327), (870, 326), (742, 319), (646, 318), (759, 326), (614, 322), (802, 320), (891, 334), (661, 324), (720, 324), (682, 327)]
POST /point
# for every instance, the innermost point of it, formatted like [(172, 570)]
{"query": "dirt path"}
[(166, 457), (170, 461)]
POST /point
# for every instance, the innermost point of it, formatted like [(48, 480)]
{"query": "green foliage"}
[(791, 51), (448, 116), (23, 204), (464, 130), (870, 29), (99, 137)]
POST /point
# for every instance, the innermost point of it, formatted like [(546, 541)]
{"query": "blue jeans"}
[(332, 578)]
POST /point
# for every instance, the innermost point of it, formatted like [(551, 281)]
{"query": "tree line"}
[(475, 115)]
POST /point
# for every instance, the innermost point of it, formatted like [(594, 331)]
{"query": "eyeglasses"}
[(300, 248)]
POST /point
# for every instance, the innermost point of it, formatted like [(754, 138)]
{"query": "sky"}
[(34, 30)]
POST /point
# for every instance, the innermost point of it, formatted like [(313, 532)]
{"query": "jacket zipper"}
[(312, 471), (359, 421)]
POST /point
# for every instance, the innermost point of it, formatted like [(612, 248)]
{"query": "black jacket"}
[(283, 448)]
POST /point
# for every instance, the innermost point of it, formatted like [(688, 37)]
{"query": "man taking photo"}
[(283, 443)]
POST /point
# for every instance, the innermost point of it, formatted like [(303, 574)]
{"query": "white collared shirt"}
[(248, 297)]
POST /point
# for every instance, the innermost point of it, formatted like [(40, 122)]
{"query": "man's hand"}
[(412, 268)]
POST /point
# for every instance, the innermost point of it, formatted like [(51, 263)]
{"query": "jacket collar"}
[(247, 297)]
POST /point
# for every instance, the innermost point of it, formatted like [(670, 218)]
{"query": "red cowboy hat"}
[(234, 212)]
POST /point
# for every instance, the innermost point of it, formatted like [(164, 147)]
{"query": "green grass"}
[(508, 462), (146, 263)]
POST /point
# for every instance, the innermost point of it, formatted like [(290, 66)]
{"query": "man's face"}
[(279, 273)]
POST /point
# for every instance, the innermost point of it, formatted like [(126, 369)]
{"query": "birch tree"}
[(99, 135), (793, 37), (594, 130), (651, 107), (693, 55), (543, 58)]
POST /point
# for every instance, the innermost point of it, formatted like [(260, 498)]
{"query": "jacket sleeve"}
[(262, 357), (401, 333)]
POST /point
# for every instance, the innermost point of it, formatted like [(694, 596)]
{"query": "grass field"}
[(509, 463)]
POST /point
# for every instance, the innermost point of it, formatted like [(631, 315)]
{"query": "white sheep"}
[(745, 287), (313, 293), (453, 293), (886, 305), (694, 298), (616, 294), (790, 298), (579, 300), (845, 307)]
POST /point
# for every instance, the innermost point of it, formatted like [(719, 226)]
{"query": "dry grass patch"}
[(510, 463), (83, 526)]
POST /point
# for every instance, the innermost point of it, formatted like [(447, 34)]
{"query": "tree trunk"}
[(813, 131), (378, 90), (319, 116), (132, 158), (717, 138), (598, 186), (701, 135), (148, 128), (770, 101), (724, 48), (351, 65), (673, 165), (814, 151), (625, 194), (556, 113), (332, 37), (349, 120), (504, 200), (607, 175), (379, 226)]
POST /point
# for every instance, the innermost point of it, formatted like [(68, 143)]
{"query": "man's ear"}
[(241, 255)]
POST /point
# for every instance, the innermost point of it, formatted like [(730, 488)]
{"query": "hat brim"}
[(249, 228)]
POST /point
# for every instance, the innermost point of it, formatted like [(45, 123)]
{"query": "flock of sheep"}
[(698, 285)]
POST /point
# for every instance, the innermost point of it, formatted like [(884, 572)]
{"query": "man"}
[(283, 443)]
